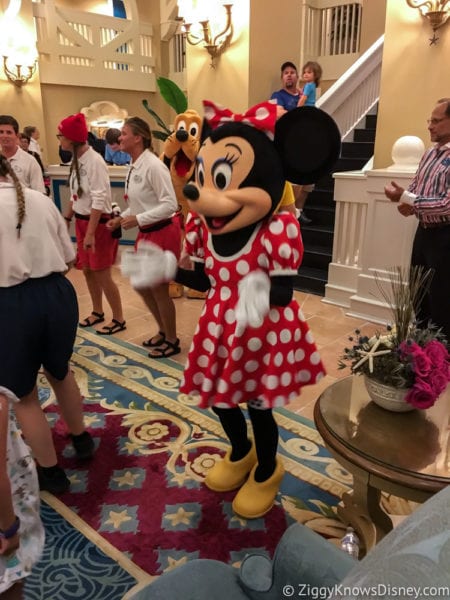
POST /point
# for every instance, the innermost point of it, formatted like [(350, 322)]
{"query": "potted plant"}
[(408, 366)]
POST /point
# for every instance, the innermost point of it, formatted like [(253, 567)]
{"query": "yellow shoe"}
[(228, 475), (255, 499)]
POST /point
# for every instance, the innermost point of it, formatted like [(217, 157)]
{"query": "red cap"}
[(74, 128)]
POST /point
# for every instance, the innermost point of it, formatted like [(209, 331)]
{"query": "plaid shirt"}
[(431, 185)]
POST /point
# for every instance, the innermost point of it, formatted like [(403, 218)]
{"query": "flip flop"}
[(166, 349), (110, 329), (160, 336), (100, 317)]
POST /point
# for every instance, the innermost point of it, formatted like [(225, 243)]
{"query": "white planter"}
[(386, 396)]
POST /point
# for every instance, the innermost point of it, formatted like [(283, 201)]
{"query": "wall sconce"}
[(17, 76), (435, 11), (214, 39)]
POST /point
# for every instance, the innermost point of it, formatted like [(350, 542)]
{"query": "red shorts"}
[(167, 238), (105, 247)]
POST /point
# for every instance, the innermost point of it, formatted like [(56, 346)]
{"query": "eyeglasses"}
[(435, 121)]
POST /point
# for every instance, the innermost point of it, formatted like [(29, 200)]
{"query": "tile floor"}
[(329, 325)]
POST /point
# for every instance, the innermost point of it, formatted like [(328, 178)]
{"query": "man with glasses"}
[(428, 197), (25, 166)]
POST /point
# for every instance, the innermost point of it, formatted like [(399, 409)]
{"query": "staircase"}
[(318, 236)]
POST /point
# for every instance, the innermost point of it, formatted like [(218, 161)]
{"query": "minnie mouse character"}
[(252, 344)]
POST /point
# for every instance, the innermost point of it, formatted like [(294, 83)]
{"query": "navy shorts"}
[(38, 324)]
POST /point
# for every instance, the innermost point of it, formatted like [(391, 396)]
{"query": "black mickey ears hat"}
[(309, 141)]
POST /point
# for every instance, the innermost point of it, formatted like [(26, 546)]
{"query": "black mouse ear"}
[(308, 142), (206, 130)]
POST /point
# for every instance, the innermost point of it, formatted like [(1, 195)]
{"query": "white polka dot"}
[(229, 316), (274, 315), (272, 382), (301, 316), (222, 405), (276, 266), (219, 330), (198, 378), (292, 231), (251, 366), (240, 330), (212, 281), (299, 355), (230, 340), (276, 227), (213, 369), (225, 293), (266, 359), (211, 292), (309, 338), (319, 376), (263, 261), (289, 314), (224, 274), (203, 311), (278, 401), (202, 361), (268, 246), (237, 397), (304, 376), (286, 378), (236, 353), (314, 358), (278, 360), (272, 338), (216, 310), (290, 357), (192, 237), (212, 328), (208, 345), (254, 344), (284, 251), (261, 113), (222, 386), (209, 262), (236, 377), (285, 336), (222, 352), (296, 256), (242, 267), (297, 335), (207, 385), (250, 385), (292, 396)]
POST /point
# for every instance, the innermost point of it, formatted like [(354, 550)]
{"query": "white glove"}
[(253, 304), (149, 266)]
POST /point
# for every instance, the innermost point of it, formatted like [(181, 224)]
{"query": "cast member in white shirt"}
[(90, 193), (152, 207), (24, 165), (38, 320), (34, 134)]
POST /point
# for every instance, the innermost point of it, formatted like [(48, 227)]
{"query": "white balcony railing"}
[(87, 49)]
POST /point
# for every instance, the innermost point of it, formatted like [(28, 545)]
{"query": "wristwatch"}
[(11, 531)]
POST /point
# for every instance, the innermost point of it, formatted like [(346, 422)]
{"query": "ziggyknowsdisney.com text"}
[(381, 590)]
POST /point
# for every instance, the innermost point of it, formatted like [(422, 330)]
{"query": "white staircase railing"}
[(354, 94)]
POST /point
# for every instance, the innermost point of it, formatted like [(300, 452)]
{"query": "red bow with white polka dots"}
[(261, 116)]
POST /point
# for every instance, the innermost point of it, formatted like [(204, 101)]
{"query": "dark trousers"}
[(431, 249)]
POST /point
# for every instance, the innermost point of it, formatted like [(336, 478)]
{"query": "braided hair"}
[(5, 171), (75, 166), (140, 127)]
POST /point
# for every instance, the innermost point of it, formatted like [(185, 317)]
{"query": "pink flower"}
[(438, 380), (436, 352), (421, 395), (421, 363)]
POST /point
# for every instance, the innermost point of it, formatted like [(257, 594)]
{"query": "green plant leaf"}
[(172, 94), (157, 118), (160, 135)]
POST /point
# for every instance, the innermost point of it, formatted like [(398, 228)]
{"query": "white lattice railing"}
[(354, 94), (88, 49)]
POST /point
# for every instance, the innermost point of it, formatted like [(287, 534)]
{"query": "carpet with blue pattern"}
[(143, 490)]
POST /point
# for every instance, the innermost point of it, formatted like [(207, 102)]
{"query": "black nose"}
[(191, 192), (182, 135)]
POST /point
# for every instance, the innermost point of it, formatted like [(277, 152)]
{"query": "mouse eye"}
[(221, 174)]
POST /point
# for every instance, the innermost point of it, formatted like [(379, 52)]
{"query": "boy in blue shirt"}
[(113, 153)]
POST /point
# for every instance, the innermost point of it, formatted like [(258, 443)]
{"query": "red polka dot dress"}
[(228, 363)]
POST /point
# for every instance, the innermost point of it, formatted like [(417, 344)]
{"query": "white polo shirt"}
[(149, 191), (94, 179), (44, 246), (27, 169)]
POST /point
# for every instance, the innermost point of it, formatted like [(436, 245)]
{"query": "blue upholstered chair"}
[(415, 554)]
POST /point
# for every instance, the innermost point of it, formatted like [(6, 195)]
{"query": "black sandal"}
[(100, 317), (161, 337), (110, 329), (166, 349)]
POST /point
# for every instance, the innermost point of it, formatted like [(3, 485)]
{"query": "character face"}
[(224, 205), (182, 146)]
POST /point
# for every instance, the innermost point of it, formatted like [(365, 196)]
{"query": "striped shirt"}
[(431, 187)]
